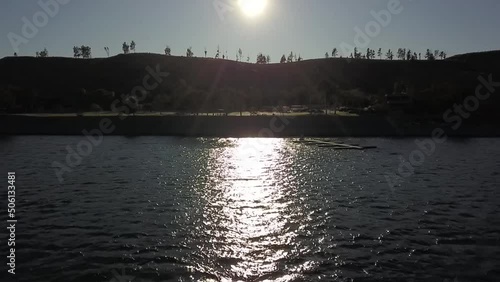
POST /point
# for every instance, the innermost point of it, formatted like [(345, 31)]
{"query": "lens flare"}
[(252, 8)]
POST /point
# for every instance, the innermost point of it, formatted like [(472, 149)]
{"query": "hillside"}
[(195, 84), (481, 61)]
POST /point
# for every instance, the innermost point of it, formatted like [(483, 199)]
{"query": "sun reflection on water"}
[(247, 208)]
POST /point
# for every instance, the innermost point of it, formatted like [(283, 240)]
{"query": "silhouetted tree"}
[(77, 52), (168, 51), (240, 53), (86, 52), (429, 55), (15, 54), (205, 52), (335, 53), (248, 59), (42, 54), (401, 54), (327, 55), (217, 55), (299, 59), (83, 51), (379, 53), (283, 59), (290, 58), (420, 56), (442, 55), (389, 55), (357, 55), (268, 59), (125, 48), (107, 50), (132, 46), (370, 54), (189, 52), (436, 54), (408, 55), (261, 59)]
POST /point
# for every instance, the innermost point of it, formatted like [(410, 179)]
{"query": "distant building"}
[(399, 101), (399, 98), (299, 108)]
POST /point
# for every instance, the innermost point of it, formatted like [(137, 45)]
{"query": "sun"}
[(252, 8)]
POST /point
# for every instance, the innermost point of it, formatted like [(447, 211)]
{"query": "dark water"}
[(170, 209)]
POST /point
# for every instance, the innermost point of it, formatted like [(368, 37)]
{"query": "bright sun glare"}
[(252, 8)]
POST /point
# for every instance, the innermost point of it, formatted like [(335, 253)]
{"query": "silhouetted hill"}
[(55, 84), (481, 61)]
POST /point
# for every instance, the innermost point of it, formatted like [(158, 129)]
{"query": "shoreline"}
[(236, 126)]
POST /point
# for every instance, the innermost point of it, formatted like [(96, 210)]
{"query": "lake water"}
[(174, 209)]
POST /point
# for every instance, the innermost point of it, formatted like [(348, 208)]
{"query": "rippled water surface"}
[(172, 209)]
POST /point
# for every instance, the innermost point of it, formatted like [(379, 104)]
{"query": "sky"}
[(306, 27)]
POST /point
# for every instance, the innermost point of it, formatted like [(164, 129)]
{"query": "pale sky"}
[(309, 28)]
